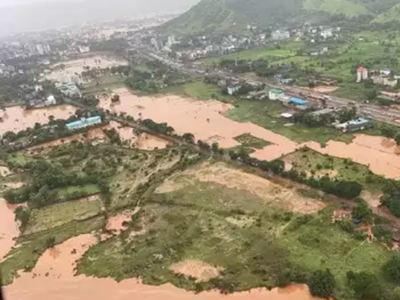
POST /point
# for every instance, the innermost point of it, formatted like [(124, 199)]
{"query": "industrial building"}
[(355, 125), (83, 123), (297, 101)]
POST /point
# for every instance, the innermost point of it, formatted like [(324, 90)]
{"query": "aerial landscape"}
[(238, 149)]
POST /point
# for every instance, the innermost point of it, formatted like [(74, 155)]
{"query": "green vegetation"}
[(247, 140), (319, 165), (104, 84), (256, 244), (267, 114), (33, 245), (198, 90)]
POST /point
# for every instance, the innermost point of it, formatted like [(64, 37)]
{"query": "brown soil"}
[(202, 271)]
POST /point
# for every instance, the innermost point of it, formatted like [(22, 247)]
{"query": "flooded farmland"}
[(8, 229), (55, 271), (16, 118)]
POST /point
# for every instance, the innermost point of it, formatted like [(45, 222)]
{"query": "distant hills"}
[(229, 15)]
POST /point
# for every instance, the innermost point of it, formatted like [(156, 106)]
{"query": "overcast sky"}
[(4, 3)]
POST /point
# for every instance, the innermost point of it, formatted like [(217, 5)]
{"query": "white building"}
[(326, 33), (280, 35), (362, 74), (40, 49), (84, 49), (275, 94)]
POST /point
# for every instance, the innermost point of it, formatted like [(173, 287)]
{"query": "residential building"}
[(233, 89), (275, 94), (51, 100), (317, 115), (326, 33), (386, 71), (69, 89), (362, 74), (384, 80), (83, 123), (280, 35)]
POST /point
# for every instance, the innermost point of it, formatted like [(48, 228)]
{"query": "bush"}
[(392, 268), (321, 283)]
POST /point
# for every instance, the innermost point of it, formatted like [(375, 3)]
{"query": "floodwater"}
[(8, 229), (204, 119), (16, 118), (143, 141), (77, 66), (52, 279), (380, 154)]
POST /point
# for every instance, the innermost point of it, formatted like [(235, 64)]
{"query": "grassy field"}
[(267, 114), (88, 189), (247, 140), (58, 214), (253, 241), (319, 165), (199, 90), (104, 84)]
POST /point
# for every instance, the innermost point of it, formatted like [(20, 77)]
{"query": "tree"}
[(322, 283), (364, 285), (50, 242), (188, 138), (392, 268), (22, 215), (215, 147), (362, 211)]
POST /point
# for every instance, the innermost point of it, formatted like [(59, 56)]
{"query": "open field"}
[(226, 222), (318, 165), (104, 85), (248, 140), (58, 214)]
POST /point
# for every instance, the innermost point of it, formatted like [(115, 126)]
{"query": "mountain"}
[(41, 16), (229, 15), (391, 15)]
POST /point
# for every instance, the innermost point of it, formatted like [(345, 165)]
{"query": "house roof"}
[(298, 101), (361, 69)]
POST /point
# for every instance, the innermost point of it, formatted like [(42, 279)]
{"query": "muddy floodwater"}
[(53, 279), (16, 118), (8, 229), (77, 66), (206, 121), (380, 154)]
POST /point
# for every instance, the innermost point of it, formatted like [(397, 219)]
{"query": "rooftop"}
[(298, 101), (359, 121)]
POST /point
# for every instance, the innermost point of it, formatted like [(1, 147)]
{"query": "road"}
[(379, 113)]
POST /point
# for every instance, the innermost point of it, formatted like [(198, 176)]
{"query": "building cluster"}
[(383, 77), (35, 96)]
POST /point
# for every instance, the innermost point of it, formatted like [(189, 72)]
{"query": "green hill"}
[(231, 15), (391, 15)]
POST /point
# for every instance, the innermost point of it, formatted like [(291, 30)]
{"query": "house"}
[(362, 74), (326, 33), (384, 80), (280, 35), (274, 94), (386, 72), (69, 89), (317, 115), (51, 100), (233, 89), (355, 125), (297, 101), (286, 115), (83, 123)]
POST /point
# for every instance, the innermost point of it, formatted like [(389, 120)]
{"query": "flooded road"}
[(16, 118), (52, 279)]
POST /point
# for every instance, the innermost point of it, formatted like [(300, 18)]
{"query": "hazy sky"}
[(4, 3)]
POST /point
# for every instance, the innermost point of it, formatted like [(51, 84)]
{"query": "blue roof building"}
[(297, 101), (83, 123)]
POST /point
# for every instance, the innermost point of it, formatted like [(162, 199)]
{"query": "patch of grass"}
[(316, 164), (249, 140), (19, 158), (267, 114), (25, 256), (88, 189), (59, 214), (103, 84), (199, 90)]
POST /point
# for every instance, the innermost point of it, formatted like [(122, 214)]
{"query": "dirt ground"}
[(4, 171), (202, 271), (273, 194)]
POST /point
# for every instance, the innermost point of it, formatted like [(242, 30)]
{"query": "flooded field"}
[(206, 121), (380, 154), (202, 118), (8, 229), (76, 67), (16, 118), (55, 271)]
